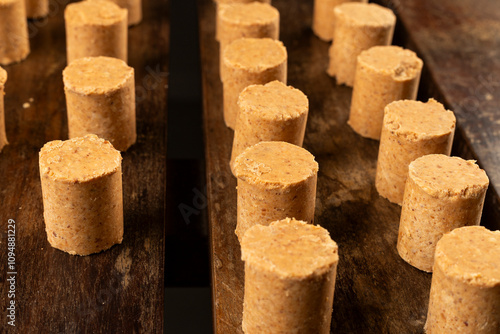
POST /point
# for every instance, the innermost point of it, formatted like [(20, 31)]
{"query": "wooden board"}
[(376, 291), (120, 290), (459, 41)]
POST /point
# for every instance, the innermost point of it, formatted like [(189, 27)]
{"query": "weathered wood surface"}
[(376, 291), (459, 41), (117, 291)]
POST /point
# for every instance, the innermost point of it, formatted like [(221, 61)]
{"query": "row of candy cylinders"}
[(276, 178)]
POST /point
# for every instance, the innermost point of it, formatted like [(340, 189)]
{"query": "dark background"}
[(188, 302)]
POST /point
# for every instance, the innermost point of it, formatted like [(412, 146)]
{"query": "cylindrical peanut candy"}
[(255, 19), (270, 112), (465, 289), (323, 18), (3, 134), (100, 99), (410, 130), (290, 271), (383, 74), (82, 194), (358, 27), (219, 4), (276, 180), (250, 61), (442, 193), (37, 8), (14, 41), (95, 28), (134, 8)]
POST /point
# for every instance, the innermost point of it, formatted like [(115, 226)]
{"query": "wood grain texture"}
[(376, 291), (459, 41), (117, 291)]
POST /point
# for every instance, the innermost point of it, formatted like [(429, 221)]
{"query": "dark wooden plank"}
[(459, 41), (227, 268), (117, 291), (376, 291)]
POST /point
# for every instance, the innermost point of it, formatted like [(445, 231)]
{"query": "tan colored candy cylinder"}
[(95, 28), (134, 8), (3, 135), (275, 180), (384, 74), (270, 112), (442, 193), (100, 99), (255, 20), (37, 8), (219, 4), (250, 61), (323, 18), (290, 271), (358, 27), (411, 129), (82, 194), (14, 45), (465, 288)]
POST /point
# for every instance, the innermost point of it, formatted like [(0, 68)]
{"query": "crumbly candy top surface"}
[(78, 159), (254, 54), (276, 164), (291, 248), (440, 175), (273, 100), (366, 14), (249, 13), (96, 75), (401, 64), (97, 12), (471, 254), (419, 120), (7, 2)]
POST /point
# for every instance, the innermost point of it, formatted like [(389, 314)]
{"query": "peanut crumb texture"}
[(79, 159), (3, 76), (98, 12), (290, 248), (96, 75), (471, 254), (249, 13), (255, 54), (443, 176), (417, 120), (401, 64), (363, 14), (273, 101), (277, 164)]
